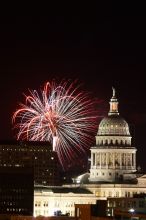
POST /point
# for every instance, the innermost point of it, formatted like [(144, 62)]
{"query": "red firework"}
[(61, 114)]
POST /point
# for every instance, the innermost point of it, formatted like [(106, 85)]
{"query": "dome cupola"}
[(113, 124), (113, 104)]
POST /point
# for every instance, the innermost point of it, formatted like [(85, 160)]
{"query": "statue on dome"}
[(114, 91)]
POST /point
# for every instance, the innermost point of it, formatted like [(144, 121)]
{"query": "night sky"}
[(99, 51)]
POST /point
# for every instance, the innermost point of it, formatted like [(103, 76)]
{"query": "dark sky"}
[(100, 51)]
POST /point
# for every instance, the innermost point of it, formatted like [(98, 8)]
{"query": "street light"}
[(132, 212)]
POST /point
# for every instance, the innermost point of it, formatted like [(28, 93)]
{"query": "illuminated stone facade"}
[(112, 172), (47, 201), (113, 156)]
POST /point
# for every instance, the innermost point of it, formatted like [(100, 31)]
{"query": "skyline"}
[(99, 51)]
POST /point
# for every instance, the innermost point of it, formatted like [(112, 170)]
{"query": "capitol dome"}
[(113, 125)]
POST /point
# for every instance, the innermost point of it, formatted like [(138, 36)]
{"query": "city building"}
[(16, 190), (87, 211), (38, 155), (22, 217), (134, 205), (112, 172), (49, 200)]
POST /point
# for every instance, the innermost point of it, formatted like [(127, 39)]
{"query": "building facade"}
[(135, 205), (112, 171), (48, 200), (38, 155), (16, 190)]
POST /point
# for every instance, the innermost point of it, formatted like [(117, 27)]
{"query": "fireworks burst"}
[(61, 114)]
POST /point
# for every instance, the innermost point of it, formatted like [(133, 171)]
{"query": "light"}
[(131, 210)]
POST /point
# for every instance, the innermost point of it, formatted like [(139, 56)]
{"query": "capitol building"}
[(112, 173)]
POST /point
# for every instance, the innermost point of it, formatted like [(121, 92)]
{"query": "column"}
[(120, 160), (107, 160), (113, 156), (100, 160), (125, 161), (134, 161), (131, 161), (95, 159), (91, 159)]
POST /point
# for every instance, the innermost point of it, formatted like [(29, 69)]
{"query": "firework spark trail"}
[(60, 113)]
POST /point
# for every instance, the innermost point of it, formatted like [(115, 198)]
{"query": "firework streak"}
[(60, 114)]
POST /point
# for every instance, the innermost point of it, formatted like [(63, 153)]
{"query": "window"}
[(110, 194), (45, 204), (141, 204), (117, 194), (134, 204), (97, 193)]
